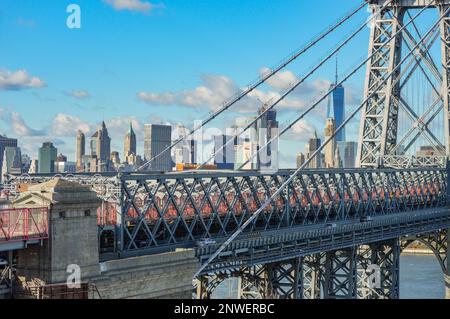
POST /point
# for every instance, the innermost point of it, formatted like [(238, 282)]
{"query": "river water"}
[(420, 278)]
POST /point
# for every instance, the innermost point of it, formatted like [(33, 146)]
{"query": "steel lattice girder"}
[(386, 256), (286, 279), (175, 210), (379, 122), (436, 241)]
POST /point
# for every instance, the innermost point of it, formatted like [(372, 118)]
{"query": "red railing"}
[(107, 214), (23, 224)]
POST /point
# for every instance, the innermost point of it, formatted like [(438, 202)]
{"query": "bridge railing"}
[(23, 224), (177, 209), (157, 210)]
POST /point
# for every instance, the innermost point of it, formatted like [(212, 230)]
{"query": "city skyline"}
[(135, 89)]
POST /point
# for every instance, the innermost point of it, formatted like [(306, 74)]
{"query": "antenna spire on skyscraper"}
[(336, 82)]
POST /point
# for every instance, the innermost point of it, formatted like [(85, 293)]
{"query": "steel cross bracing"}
[(160, 212), (367, 271), (175, 210), (379, 138)]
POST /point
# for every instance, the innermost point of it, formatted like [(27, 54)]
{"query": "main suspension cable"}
[(302, 167), (258, 82)]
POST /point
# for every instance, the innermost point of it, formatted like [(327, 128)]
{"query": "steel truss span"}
[(166, 211), (161, 212)]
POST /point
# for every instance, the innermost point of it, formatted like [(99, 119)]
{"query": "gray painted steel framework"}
[(161, 212), (378, 136), (314, 240), (340, 274)]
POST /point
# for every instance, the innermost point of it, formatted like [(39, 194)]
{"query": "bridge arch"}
[(252, 285), (437, 242)]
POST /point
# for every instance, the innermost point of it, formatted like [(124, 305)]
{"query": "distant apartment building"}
[(224, 151), (330, 147), (26, 162), (34, 167), (46, 158), (80, 151), (5, 142), (12, 161), (99, 160), (157, 138), (246, 143), (115, 160), (312, 146), (351, 149), (301, 159), (64, 166), (266, 130), (185, 152)]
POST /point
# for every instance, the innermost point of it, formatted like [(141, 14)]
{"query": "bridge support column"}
[(312, 273), (286, 279), (202, 288), (447, 273), (253, 283), (378, 270), (340, 274), (73, 234)]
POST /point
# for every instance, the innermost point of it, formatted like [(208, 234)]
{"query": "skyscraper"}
[(336, 107), (34, 167), (267, 128), (185, 152), (46, 158), (301, 159), (351, 149), (4, 142), (330, 148), (313, 146), (246, 143), (156, 139), (130, 142), (81, 150), (224, 149), (12, 161), (101, 149)]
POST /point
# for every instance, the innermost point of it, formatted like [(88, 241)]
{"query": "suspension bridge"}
[(300, 233)]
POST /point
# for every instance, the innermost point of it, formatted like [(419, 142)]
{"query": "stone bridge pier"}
[(74, 240)]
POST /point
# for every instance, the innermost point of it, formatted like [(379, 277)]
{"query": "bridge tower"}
[(379, 140)]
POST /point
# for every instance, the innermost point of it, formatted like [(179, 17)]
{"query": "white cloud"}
[(79, 94), (302, 131), (132, 5), (68, 125), (214, 91), (281, 80), (118, 126), (19, 80), (19, 127)]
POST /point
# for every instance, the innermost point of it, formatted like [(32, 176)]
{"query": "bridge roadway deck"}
[(275, 246)]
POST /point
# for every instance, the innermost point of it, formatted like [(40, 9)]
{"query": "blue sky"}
[(171, 61)]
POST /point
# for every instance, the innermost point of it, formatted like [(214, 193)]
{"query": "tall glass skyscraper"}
[(336, 109)]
